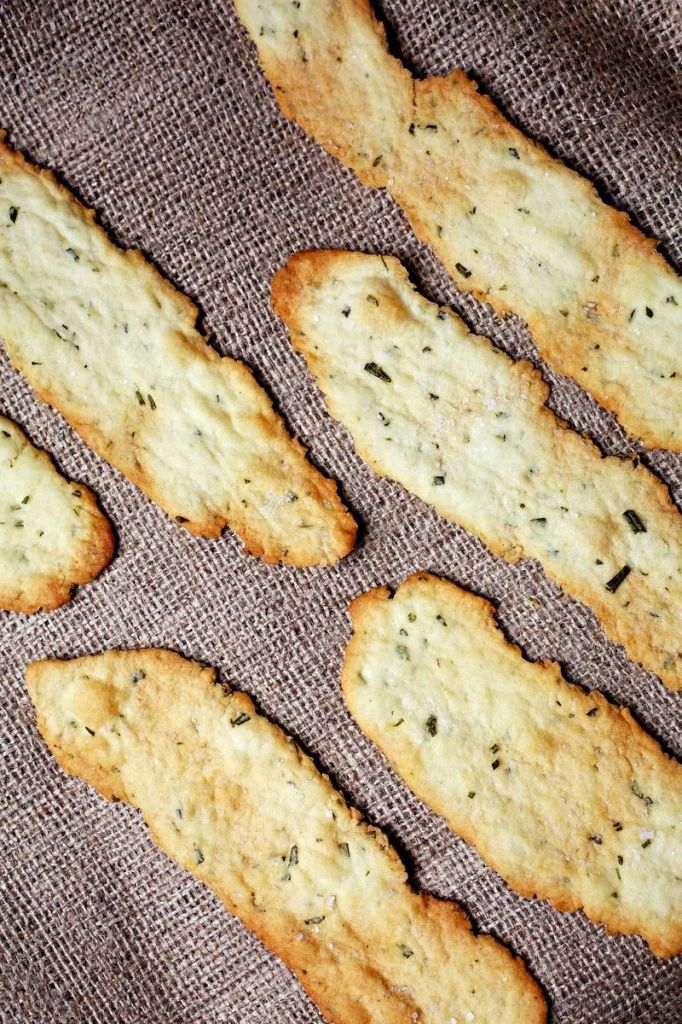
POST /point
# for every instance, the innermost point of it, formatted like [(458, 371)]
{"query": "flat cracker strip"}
[(230, 797), (561, 792), (53, 535), (465, 428), (513, 226), (110, 343)]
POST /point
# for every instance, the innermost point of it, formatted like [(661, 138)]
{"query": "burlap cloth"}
[(156, 114)]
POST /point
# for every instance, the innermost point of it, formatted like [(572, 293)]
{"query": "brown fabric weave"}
[(155, 113)]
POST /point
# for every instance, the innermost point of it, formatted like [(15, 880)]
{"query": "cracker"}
[(513, 226), (563, 793), (53, 535), (232, 799), (464, 427), (100, 335)]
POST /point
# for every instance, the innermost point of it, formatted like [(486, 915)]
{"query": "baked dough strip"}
[(233, 800), (560, 791), (53, 535), (102, 337), (511, 224), (464, 427)]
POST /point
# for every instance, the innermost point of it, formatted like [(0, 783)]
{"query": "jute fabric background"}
[(155, 113)]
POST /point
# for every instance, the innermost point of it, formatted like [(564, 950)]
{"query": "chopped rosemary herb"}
[(345, 311), (617, 826), (496, 764), (314, 920), (373, 299), (615, 581), (13, 214), (464, 271), (541, 521), (513, 152), (198, 855), (438, 481), (293, 855), (241, 719), (377, 372), (402, 652), (345, 848), (405, 950), (596, 839), (471, 794), (88, 729), (592, 712), (647, 842), (432, 725), (494, 748), (634, 522)]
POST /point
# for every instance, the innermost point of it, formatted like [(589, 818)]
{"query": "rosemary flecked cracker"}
[(560, 791), (53, 535), (513, 226), (231, 797), (465, 428), (110, 343)]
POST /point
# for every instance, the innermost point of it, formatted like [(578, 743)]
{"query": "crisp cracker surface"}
[(231, 797), (465, 428), (559, 790), (53, 535), (110, 343), (511, 224)]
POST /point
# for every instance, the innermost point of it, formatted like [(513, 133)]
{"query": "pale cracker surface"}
[(100, 335), (513, 226), (53, 535), (464, 427), (560, 791), (231, 797)]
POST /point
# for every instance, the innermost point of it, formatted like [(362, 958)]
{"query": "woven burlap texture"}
[(156, 114)]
